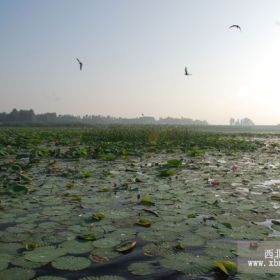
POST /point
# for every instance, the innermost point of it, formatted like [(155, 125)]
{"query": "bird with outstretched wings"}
[(81, 64), (186, 72), (235, 26)]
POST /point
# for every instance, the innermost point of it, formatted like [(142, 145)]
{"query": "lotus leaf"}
[(98, 216), (106, 253), (44, 254), (77, 247), (141, 269), (106, 243), (126, 246), (22, 262), (71, 263), (4, 260), (89, 236), (158, 250), (188, 263), (16, 273), (144, 222)]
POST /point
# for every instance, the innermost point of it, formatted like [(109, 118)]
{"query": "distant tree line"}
[(28, 116), (241, 122)]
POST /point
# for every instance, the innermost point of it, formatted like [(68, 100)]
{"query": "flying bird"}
[(235, 26), (186, 72), (81, 64)]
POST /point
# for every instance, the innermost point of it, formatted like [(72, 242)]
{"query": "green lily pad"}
[(126, 246), (10, 248), (187, 263), (166, 172), (89, 236), (44, 254), (77, 247), (105, 253), (192, 240), (146, 200), (19, 188), (22, 262), (71, 263), (4, 260), (106, 243), (221, 250), (16, 273), (174, 162), (97, 216), (158, 250), (144, 222), (141, 268)]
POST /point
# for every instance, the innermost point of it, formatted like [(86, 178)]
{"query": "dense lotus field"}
[(134, 202)]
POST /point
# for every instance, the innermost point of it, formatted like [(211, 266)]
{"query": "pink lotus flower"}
[(213, 182)]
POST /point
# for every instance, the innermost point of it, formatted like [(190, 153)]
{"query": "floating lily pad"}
[(4, 260), (89, 236), (77, 247), (159, 235), (246, 232), (10, 248), (123, 234), (208, 232), (106, 253), (22, 262), (106, 243), (141, 268), (16, 273), (221, 250), (187, 263), (158, 250), (166, 172), (44, 254), (126, 246), (146, 200), (174, 162), (97, 216), (98, 259), (71, 263), (192, 240), (118, 214), (144, 222)]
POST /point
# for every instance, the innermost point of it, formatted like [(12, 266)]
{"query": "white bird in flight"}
[(235, 26), (81, 64)]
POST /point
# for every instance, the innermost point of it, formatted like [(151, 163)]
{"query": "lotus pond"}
[(134, 202)]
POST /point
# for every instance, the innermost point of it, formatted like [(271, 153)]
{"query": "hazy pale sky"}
[(134, 53)]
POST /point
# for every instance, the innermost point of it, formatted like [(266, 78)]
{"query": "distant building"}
[(241, 122)]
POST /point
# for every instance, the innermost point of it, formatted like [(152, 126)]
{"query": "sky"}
[(134, 54)]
